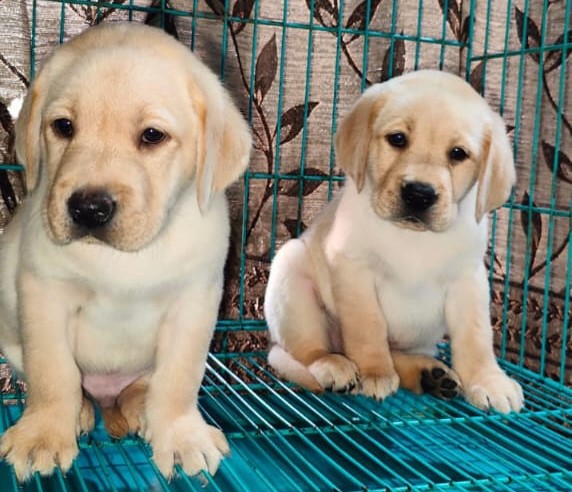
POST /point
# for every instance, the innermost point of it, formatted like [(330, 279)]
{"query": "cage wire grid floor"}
[(284, 439)]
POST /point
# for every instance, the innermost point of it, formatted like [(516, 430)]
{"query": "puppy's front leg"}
[(45, 436), (467, 313), (174, 426), (363, 328)]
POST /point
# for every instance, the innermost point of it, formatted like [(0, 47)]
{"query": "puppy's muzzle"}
[(91, 209), (418, 197)]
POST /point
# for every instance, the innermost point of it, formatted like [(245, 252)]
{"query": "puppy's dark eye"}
[(458, 154), (63, 128), (152, 136), (397, 139)]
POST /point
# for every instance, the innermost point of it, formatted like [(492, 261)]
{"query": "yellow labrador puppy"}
[(112, 269), (396, 261)]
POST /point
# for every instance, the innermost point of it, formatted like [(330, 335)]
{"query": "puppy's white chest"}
[(116, 334), (414, 314)]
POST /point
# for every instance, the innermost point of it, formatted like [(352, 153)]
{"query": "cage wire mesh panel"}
[(294, 67)]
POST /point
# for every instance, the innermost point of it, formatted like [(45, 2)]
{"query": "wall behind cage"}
[(294, 67)]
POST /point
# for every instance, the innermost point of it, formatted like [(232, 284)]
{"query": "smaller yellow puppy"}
[(395, 262)]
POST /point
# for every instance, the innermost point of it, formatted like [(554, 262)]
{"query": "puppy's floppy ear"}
[(224, 140), (28, 128), (29, 123), (354, 134), (497, 174)]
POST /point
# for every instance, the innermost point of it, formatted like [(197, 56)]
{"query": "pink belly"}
[(105, 388)]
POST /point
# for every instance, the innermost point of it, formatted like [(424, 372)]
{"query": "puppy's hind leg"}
[(131, 402), (425, 374), (127, 415), (299, 326), (86, 417), (292, 369)]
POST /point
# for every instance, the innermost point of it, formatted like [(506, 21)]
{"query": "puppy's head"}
[(420, 143), (119, 122)]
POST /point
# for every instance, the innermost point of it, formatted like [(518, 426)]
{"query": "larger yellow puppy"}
[(112, 270)]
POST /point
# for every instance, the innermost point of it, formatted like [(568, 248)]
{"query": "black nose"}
[(91, 209), (418, 196)]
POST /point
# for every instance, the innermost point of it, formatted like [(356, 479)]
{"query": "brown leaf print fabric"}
[(294, 69)]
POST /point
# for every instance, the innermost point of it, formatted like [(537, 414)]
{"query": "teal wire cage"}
[(295, 67)]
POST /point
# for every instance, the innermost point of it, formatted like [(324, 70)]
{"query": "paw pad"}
[(440, 383)]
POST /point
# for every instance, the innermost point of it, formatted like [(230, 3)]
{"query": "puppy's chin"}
[(421, 224), (67, 235), (104, 237), (112, 238), (91, 237), (411, 222)]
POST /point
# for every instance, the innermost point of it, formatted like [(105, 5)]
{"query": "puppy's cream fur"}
[(130, 313), (363, 297)]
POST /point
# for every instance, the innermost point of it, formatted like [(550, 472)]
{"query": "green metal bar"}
[(304, 146), (249, 86), (543, 210), (504, 328), (393, 33), (104, 469), (194, 24), (493, 227), (532, 182), (418, 41), (76, 474), (506, 54), (158, 475), (62, 21), (518, 115), (131, 467), (443, 35), (224, 41), (277, 153), (553, 188), (11, 167), (469, 60), (290, 177), (561, 98), (365, 51), (567, 305), (332, 159), (33, 40)]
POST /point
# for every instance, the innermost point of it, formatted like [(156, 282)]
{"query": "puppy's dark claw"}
[(348, 388)]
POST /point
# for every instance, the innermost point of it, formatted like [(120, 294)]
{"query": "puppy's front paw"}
[(494, 389), (335, 371), (190, 442), (39, 442), (378, 386)]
